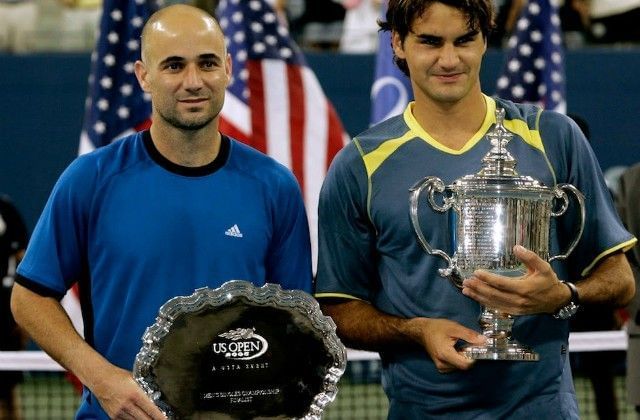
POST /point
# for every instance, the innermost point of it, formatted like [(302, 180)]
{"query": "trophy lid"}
[(498, 174)]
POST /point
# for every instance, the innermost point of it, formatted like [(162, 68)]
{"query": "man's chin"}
[(191, 125), (194, 126), (449, 98)]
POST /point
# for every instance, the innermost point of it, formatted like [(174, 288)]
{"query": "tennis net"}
[(46, 392)]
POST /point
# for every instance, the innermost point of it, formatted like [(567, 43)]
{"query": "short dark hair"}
[(402, 13)]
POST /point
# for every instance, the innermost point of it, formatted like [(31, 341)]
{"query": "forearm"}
[(610, 283), (46, 321), (362, 326)]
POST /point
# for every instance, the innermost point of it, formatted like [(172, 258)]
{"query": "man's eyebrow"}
[(172, 59), (177, 59), (427, 37), (216, 59), (430, 37), (210, 56), (470, 34)]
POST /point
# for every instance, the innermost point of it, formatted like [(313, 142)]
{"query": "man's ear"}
[(141, 74), (396, 43), (229, 68)]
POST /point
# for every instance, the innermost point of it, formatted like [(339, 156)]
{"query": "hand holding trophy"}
[(493, 211)]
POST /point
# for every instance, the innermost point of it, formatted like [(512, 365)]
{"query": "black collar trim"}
[(208, 169)]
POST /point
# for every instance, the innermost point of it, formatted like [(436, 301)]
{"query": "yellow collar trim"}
[(415, 127)]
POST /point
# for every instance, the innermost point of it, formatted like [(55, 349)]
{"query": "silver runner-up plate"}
[(241, 352)]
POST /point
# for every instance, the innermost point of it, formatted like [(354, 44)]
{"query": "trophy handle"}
[(433, 184), (560, 194)]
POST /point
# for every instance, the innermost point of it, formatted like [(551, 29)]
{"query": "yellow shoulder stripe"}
[(374, 159), (335, 295), (625, 246), (518, 127), (530, 136)]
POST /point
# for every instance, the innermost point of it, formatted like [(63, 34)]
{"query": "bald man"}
[(156, 215)]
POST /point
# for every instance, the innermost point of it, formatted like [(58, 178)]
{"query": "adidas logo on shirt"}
[(234, 231)]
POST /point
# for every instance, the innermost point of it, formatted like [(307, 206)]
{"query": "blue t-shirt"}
[(134, 230), (368, 250)]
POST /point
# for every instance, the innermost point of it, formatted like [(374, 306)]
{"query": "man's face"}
[(186, 70), (443, 55)]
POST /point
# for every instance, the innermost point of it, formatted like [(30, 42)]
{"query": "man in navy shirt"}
[(385, 293)]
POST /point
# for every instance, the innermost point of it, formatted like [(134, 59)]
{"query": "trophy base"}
[(504, 351)]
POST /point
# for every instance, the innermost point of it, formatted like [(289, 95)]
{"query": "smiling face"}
[(443, 55), (185, 67)]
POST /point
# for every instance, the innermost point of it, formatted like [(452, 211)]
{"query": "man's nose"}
[(449, 56), (192, 78)]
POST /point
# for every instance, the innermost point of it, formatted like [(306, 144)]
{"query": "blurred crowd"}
[(347, 26), (48, 25)]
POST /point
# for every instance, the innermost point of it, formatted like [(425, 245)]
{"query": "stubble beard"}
[(195, 123), (187, 125)]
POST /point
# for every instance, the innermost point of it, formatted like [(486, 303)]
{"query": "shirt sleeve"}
[(346, 236), (56, 255), (603, 232), (289, 256)]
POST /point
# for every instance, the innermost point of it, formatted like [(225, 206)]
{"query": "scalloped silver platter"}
[(241, 351)]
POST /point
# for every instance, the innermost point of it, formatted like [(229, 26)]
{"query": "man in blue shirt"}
[(156, 215), (385, 293)]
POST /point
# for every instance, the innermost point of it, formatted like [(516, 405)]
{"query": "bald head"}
[(173, 20), (185, 68)]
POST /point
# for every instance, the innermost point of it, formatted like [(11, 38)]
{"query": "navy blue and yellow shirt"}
[(368, 251)]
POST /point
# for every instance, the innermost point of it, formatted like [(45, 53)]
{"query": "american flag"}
[(115, 104), (391, 90), (534, 69), (275, 103)]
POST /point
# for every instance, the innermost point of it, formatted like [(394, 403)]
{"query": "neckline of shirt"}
[(191, 171)]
